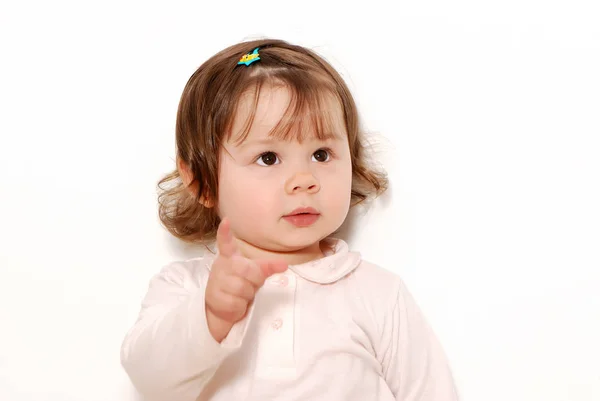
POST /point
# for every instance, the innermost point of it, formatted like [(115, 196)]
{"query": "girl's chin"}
[(284, 244)]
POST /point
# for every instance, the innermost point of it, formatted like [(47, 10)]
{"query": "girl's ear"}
[(191, 184)]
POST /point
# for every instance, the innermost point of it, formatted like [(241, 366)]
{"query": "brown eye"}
[(321, 155), (267, 159)]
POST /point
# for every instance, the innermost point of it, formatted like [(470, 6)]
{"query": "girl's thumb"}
[(272, 267)]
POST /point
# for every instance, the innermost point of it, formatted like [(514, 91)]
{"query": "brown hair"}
[(206, 112)]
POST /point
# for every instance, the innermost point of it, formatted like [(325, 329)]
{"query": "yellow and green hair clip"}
[(249, 58)]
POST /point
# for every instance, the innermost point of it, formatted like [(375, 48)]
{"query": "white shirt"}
[(338, 328)]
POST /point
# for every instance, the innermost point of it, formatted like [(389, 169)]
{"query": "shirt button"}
[(281, 281), (277, 323)]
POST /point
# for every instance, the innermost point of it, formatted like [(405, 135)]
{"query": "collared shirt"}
[(338, 328)]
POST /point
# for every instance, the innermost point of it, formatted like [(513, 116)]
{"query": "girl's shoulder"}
[(383, 295), (191, 272), (377, 281)]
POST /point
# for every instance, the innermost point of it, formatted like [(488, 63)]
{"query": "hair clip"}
[(249, 58)]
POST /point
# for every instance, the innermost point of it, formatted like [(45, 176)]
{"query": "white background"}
[(486, 115)]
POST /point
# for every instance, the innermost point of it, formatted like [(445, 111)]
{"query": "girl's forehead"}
[(277, 112), (266, 108)]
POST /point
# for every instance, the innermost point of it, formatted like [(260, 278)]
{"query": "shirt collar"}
[(330, 268), (333, 266)]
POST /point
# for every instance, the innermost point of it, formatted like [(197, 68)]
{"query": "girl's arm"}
[(414, 365), (169, 354)]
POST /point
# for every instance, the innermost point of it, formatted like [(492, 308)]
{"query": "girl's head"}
[(256, 142)]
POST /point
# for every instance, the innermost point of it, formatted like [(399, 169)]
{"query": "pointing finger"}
[(225, 241)]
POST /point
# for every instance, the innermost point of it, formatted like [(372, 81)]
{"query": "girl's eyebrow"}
[(272, 140), (255, 142)]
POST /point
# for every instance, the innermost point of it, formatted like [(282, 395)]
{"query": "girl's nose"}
[(302, 182)]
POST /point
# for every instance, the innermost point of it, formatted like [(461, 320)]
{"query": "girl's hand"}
[(233, 283)]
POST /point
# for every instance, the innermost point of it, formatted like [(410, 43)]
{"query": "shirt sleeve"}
[(169, 353), (414, 364)]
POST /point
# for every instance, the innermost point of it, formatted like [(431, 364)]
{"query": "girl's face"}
[(264, 182)]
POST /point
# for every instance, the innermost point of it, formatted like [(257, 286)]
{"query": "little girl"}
[(269, 161)]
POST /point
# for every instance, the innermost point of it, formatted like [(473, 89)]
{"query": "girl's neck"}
[(310, 253)]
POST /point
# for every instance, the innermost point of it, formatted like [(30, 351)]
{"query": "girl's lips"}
[(303, 210), (302, 220)]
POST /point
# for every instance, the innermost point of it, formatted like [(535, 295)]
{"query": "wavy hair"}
[(205, 115)]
